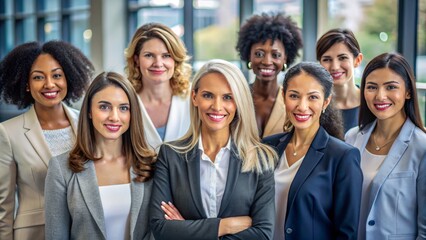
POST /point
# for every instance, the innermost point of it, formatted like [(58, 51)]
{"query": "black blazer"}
[(177, 179), (325, 195)]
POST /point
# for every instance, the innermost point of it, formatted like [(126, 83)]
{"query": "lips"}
[(337, 75), (112, 127), (302, 117), (216, 117), (267, 72), (382, 106), (157, 72), (50, 95)]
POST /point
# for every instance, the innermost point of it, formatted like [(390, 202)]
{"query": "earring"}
[(323, 111), (284, 67), (249, 65), (27, 88)]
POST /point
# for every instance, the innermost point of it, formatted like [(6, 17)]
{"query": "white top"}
[(370, 165), (116, 201), (213, 177), (59, 140), (283, 176)]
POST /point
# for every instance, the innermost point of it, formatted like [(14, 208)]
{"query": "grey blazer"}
[(74, 208), (24, 157), (397, 204), (177, 179)]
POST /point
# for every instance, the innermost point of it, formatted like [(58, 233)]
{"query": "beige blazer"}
[(24, 157), (276, 120)]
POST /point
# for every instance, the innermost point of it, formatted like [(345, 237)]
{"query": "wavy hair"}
[(183, 70), (331, 119), (16, 66), (260, 28), (138, 154), (255, 156), (399, 65)]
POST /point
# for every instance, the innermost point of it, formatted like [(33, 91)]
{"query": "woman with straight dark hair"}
[(393, 158), (101, 189), (317, 179)]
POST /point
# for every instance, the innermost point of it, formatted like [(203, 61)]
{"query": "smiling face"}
[(340, 63), (304, 101), (47, 82), (110, 113), (155, 62), (215, 103), (267, 59), (385, 94)]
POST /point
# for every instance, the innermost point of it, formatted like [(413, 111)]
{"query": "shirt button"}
[(371, 223), (289, 230)]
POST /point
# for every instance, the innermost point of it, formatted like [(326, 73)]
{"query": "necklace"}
[(380, 147)]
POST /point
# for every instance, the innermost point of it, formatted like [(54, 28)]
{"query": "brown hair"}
[(334, 36), (135, 147)]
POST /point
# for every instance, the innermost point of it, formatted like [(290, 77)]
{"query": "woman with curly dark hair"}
[(42, 77), (101, 189), (269, 43), (157, 66)]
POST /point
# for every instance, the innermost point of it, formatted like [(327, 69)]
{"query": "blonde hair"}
[(182, 72), (255, 156)]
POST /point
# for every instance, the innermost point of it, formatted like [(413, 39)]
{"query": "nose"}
[(49, 82), (335, 64), (381, 94), (158, 61), (267, 59), (113, 115), (217, 104), (303, 105)]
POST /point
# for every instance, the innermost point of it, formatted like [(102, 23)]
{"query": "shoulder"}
[(273, 140), (13, 122)]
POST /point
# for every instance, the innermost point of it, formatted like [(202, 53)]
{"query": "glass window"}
[(24, 6), (49, 5), (421, 58), (215, 30), (81, 35), (78, 3), (25, 30), (6, 7), (51, 27)]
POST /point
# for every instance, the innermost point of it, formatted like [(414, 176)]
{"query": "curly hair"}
[(183, 70), (135, 148), (331, 119), (16, 66), (260, 28)]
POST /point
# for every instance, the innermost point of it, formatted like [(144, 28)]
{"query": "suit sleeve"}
[(57, 216), (262, 211), (347, 195), (421, 200), (174, 229), (7, 186)]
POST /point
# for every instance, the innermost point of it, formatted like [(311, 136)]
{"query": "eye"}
[(167, 55), (207, 95), (124, 108), (148, 55), (57, 76), (370, 87), (104, 107), (38, 77), (342, 58), (314, 97), (391, 87), (293, 96), (259, 54), (276, 55), (227, 97)]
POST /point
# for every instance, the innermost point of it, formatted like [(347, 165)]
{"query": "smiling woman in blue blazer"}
[(219, 176), (317, 179), (391, 138), (101, 189)]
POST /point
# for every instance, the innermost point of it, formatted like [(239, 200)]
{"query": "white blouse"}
[(116, 201)]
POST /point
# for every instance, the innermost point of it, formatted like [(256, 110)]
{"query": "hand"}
[(233, 225), (171, 212)]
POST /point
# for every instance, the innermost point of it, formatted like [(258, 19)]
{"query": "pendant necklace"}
[(380, 147)]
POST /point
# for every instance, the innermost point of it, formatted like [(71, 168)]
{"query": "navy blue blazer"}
[(325, 195), (177, 179)]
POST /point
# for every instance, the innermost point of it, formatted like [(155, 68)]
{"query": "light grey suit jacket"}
[(397, 204), (24, 157), (74, 208)]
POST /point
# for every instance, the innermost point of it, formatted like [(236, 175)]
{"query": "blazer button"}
[(371, 223), (289, 230)]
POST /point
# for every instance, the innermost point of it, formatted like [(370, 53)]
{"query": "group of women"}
[(155, 156)]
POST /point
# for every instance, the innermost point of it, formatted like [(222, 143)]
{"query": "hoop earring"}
[(284, 67), (249, 65)]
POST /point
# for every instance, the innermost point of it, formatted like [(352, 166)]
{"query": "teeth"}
[(336, 74), (113, 127), (304, 117), (382, 105), (50, 94), (216, 116), (266, 70)]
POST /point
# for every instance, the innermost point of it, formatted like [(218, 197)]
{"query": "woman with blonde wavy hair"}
[(157, 68), (217, 180)]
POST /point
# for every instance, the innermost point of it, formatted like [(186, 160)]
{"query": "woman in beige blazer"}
[(101, 189), (42, 77)]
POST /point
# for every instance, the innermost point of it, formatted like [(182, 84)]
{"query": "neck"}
[(51, 117), (302, 137), (389, 128), (265, 88), (212, 143), (347, 96), (156, 93), (109, 149)]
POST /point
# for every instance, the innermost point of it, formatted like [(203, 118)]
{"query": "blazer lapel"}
[(137, 195), (72, 117), (35, 135), (312, 158), (394, 156), (234, 170), (277, 116), (151, 134), (193, 166), (90, 191)]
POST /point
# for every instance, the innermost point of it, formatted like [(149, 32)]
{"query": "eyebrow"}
[(340, 55), (39, 71), (205, 91), (309, 93), (386, 83)]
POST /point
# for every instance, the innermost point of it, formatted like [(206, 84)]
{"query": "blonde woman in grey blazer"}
[(42, 77), (101, 189), (391, 140)]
